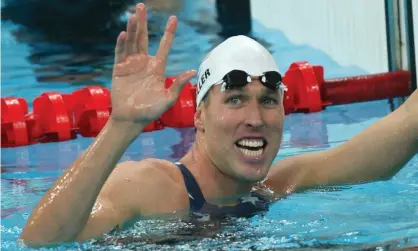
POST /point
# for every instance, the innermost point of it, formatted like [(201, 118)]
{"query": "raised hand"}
[(138, 93)]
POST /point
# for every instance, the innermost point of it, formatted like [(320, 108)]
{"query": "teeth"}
[(251, 142), (251, 153)]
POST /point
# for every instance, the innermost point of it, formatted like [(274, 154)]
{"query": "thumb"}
[(180, 82)]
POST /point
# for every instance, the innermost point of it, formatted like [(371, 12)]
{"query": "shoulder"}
[(154, 185), (147, 172), (157, 169)]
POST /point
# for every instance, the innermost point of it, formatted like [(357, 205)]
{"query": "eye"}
[(270, 102), (234, 101)]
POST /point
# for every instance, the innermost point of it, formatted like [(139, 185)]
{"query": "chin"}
[(253, 174)]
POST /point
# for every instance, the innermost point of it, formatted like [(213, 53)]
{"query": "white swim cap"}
[(235, 53)]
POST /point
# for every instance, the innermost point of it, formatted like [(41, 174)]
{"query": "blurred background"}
[(65, 43)]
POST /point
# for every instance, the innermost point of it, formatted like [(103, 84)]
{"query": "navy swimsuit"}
[(247, 206)]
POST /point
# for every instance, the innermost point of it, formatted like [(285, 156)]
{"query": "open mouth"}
[(252, 147)]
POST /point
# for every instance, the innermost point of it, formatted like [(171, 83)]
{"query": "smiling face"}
[(241, 129)]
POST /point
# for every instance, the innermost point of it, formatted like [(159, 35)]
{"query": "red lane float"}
[(33, 127), (308, 91), (367, 87), (90, 106), (305, 84), (52, 112), (60, 117), (181, 114), (13, 125)]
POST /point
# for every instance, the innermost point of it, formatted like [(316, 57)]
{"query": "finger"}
[(180, 82), (120, 48), (167, 40), (142, 29), (130, 44)]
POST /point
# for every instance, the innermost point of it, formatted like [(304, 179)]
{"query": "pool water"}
[(374, 215)]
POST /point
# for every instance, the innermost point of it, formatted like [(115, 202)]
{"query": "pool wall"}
[(352, 32)]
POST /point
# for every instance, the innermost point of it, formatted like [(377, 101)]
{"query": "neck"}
[(217, 187)]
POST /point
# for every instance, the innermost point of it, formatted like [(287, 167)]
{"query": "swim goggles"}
[(239, 78)]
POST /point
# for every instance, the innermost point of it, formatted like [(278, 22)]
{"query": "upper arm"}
[(330, 167), (135, 189), (287, 175), (119, 200), (309, 169), (303, 171), (377, 153)]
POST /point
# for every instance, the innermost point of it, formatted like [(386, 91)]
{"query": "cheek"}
[(275, 119), (221, 130), (275, 125), (225, 120)]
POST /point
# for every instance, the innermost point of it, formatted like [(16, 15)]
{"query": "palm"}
[(138, 85), (138, 91)]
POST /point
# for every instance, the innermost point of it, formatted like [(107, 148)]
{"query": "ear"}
[(198, 121)]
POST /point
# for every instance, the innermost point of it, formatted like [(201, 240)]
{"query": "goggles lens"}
[(238, 79)]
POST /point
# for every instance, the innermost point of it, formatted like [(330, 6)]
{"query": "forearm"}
[(64, 210)]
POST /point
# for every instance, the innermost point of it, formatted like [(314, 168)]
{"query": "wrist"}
[(125, 130)]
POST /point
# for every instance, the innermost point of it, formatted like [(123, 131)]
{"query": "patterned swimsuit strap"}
[(196, 198)]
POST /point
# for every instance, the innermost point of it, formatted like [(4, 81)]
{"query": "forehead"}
[(254, 87)]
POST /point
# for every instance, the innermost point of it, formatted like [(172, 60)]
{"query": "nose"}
[(254, 119)]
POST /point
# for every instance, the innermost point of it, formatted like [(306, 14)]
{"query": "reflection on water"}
[(240, 234), (308, 131), (168, 232), (75, 44), (187, 136)]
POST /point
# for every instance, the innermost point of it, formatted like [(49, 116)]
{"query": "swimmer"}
[(229, 169)]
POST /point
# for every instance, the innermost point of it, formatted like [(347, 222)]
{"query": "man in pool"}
[(228, 171)]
